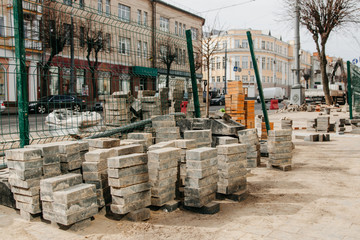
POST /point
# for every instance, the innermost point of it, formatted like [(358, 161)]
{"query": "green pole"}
[(21, 75), (350, 96), (193, 75), (258, 80)]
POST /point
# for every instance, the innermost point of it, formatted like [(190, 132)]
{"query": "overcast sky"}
[(269, 15)]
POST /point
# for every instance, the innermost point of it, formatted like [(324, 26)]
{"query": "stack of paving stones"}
[(51, 159), (165, 128), (163, 169), (95, 172), (130, 187), (286, 123), (251, 139), (117, 109), (322, 124), (102, 143), (84, 148), (70, 158), (150, 106), (25, 171), (311, 125), (203, 137), (134, 141), (66, 200), (162, 145), (280, 148), (147, 137), (226, 140), (232, 170), (201, 179), (340, 126)]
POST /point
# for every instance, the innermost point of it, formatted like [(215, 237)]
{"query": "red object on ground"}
[(184, 106), (274, 104)]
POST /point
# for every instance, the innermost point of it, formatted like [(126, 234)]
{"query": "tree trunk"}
[(167, 76), (325, 79), (45, 77), (208, 89)]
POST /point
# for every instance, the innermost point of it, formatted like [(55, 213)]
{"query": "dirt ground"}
[(318, 199)]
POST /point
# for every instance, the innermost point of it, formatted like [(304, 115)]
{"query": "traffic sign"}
[(355, 61), (235, 69)]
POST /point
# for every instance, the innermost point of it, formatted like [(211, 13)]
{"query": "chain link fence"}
[(355, 85), (89, 69)]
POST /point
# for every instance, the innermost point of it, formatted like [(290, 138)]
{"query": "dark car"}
[(52, 102), (218, 100)]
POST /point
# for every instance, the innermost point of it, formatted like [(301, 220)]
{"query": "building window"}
[(124, 45), (82, 37), (180, 29), (262, 44), (82, 4), (244, 78), (251, 64), (268, 79), (145, 49), (108, 42), (237, 78), (107, 8), (184, 56), (80, 81), (237, 61), (223, 78), (100, 7), (124, 13), (263, 63), (2, 27), (245, 62), (237, 43), (164, 24), (212, 63), (252, 78), (268, 64), (194, 34), (138, 49), (218, 79), (176, 28), (223, 62), (145, 18), (2, 83), (217, 63), (271, 79), (212, 79), (67, 30), (245, 43), (104, 83), (54, 80), (263, 79), (139, 17), (184, 29)]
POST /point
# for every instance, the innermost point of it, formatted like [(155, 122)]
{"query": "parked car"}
[(2, 106), (272, 93), (218, 100), (52, 102)]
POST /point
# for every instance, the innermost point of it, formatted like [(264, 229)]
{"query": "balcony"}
[(28, 6)]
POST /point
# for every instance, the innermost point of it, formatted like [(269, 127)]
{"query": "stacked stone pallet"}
[(165, 128), (129, 183), (139, 137), (231, 168), (51, 159), (203, 137), (190, 110), (286, 123), (183, 145), (66, 200), (150, 106), (253, 154), (117, 109), (70, 157), (234, 102), (280, 148), (95, 172), (163, 168), (340, 126), (322, 124), (249, 113), (201, 177), (25, 172)]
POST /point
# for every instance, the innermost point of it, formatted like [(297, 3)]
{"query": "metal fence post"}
[(258, 80), (193, 75), (21, 75), (350, 97)]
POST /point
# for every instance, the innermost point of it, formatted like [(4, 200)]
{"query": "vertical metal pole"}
[(225, 83), (72, 64), (193, 75), (297, 42), (21, 75), (349, 95), (258, 80)]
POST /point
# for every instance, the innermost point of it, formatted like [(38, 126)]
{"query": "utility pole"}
[(225, 85), (72, 64), (297, 95)]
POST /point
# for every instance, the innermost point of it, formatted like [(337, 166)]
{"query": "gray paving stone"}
[(127, 160)]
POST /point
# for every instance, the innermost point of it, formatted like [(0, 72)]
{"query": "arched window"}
[(2, 82)]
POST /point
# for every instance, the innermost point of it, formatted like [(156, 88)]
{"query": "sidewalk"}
[(318, 199)]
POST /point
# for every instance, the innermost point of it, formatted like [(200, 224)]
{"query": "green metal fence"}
[(355, 90), (85, 69)]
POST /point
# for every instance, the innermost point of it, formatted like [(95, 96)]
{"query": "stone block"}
[(123, 209), (201, 173), (201, 153), (99, 184), (231, 149), (51, 159), (200, 192), (95, 176), (199, 202), (162, 199), (193, 164), (164, 154), (33, 200), (129, 171), (279, 156), (158, 175), (158, 191), (164, 182), (173, 130), (185, 143), (99, 154), (161, 124), (129, 149), (26, 191), (50, 185), (103, 142), (15, 182), (66, 158), (74, 206), (47, 149), (75, 217), (83, 146), (231, 158), (162, 145), (23, 154), (30, 208), (163, 118), (69, 166), (129, 180), (130, 189), (142, 214), (127, 160), (280, 133), (226, 140), (80, 191), (198, 135), (128, 199), (27, 174), (163, 164), (142, 136), (25, 165), (94, 166), (199, 183)]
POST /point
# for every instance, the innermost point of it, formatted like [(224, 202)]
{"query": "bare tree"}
[(54, 34), (210, 43), (91, 37), (167, 55), (321, 18)]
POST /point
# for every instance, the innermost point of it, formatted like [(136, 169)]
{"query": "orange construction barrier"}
[(274, 104)]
